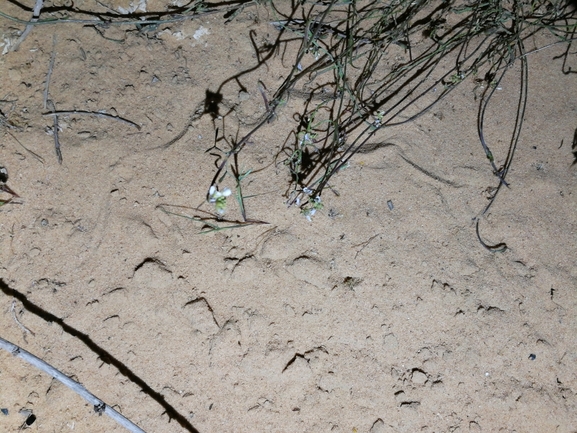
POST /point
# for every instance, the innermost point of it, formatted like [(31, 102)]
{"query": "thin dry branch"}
[(99, 406), (29, 26)]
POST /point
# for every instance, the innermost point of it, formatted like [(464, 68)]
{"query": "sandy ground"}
[(364, 320)]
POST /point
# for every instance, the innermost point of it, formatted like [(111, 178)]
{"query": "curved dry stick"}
[(99, 405), (56, 113)]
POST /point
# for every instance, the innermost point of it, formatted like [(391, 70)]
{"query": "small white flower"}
[(309, 213), (212, 190), (214, 195), (218, 198), (307, 139)]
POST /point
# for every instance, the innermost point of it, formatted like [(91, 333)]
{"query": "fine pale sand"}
[(366, 319)]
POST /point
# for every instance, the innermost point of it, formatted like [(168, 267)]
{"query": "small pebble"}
[(4, 411), (30, 420)]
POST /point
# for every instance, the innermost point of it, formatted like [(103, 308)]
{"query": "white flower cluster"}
[(218, 198), (312, 209)]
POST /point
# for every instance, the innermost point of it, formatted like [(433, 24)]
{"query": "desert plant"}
[(369, 65)]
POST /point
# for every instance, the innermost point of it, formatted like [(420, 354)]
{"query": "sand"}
[(365, 319)]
